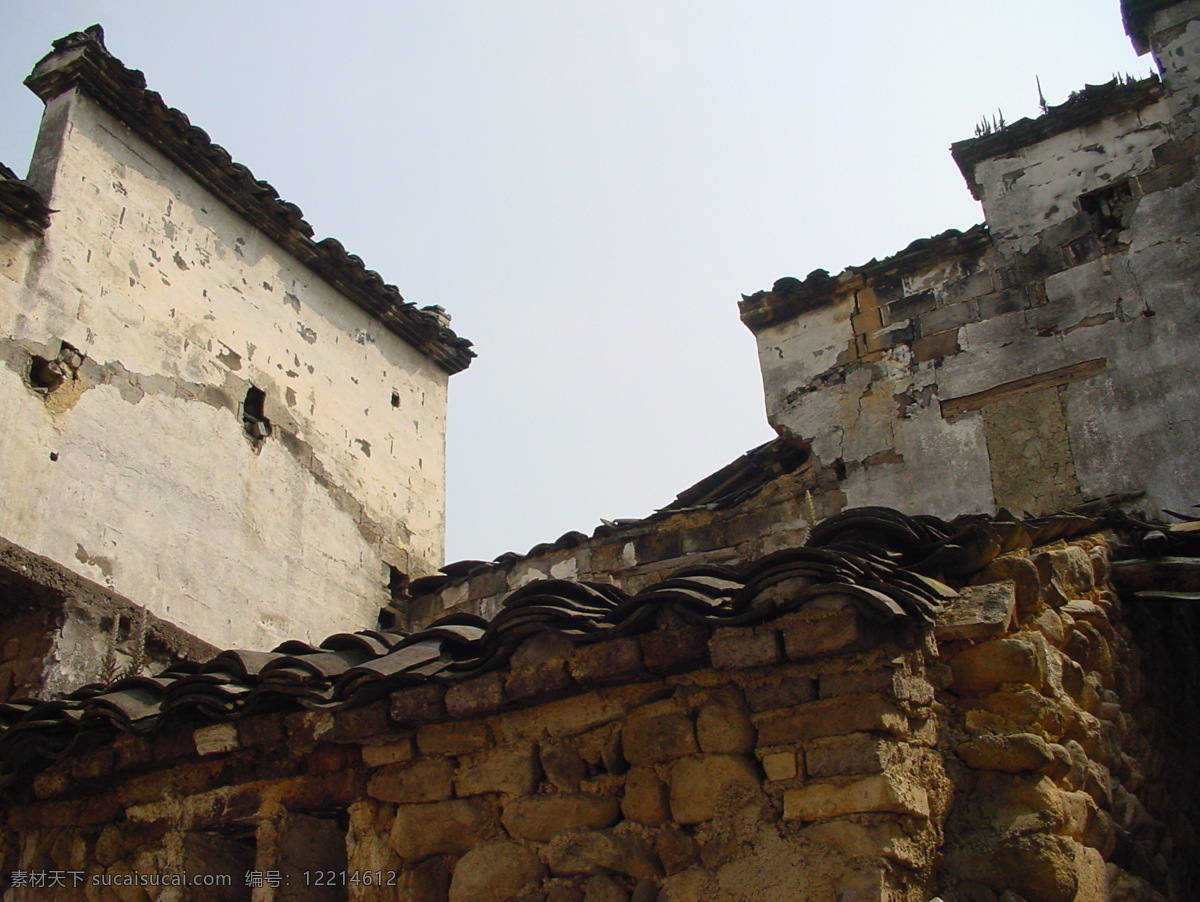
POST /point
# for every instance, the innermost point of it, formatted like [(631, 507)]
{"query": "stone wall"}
[(196, 415), (817, 756), (635, 555), (1023, 364)]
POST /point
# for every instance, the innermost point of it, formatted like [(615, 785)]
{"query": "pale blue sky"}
[(587, 187)]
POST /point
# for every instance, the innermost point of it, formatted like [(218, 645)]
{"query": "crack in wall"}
[(18, 356)]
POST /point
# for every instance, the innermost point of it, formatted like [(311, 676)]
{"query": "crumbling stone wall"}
[(817, 756), (1047, 746)]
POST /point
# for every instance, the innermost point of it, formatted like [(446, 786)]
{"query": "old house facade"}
[(780, 687), (189, 371)]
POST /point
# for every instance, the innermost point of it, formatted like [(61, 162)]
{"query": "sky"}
[(588, 187)]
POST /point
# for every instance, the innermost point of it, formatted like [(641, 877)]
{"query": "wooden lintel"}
[(954, 407)]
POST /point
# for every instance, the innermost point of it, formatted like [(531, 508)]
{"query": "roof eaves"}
[(22, 204), (790, 297), (81, 61)]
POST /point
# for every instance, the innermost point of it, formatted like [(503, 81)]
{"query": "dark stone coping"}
[(30, 582), (82, 62), (22, 204)]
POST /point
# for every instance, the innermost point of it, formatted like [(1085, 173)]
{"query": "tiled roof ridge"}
[(23, 204), (790, 296), (81, 60), (889, 565), (1088, 105)]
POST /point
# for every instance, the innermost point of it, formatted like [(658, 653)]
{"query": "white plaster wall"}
[(180, 305), (1036, 187), (935, 467)]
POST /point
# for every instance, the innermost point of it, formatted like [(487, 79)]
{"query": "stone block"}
[(427, 882), (1024, 576), (659, 545), (390, 753), (935, 346), (1010, 753), (442, 828), (563, 765), (790, 691), (471, 698), (261, 730), (417, 705), (595, 852), (833, 633), (831, 717), (675, 651), (426, 780), (360, 723), (987, 666), (542, 817), (886, 681), (537, 683), (676, 849), (1070, 566), (645, 799), (654, 738), (453, 738), (911, 306), (324, 758), (221, 737), (305, 727), (699, 784), (723, 725), (735, 648), (948, 318), (979, 612), (510, 770), (610, 661), (1019, 709), (849, 755), (603, 888), (998, 303), (876, 793), (173, 746), (780, 766), (495, 872)]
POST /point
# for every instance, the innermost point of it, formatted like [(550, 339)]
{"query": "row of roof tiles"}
[(80, 60), (890, 565)]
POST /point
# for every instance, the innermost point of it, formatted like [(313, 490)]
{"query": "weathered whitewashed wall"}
[(138, 472), (1039, 363)]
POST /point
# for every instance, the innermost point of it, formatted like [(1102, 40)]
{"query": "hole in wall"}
[(1108, 208), (254, 420), (49, 375)]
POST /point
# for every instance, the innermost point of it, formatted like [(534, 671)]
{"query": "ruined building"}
[(937, 640)]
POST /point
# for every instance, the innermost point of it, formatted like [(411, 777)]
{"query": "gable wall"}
[(138, 471)]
